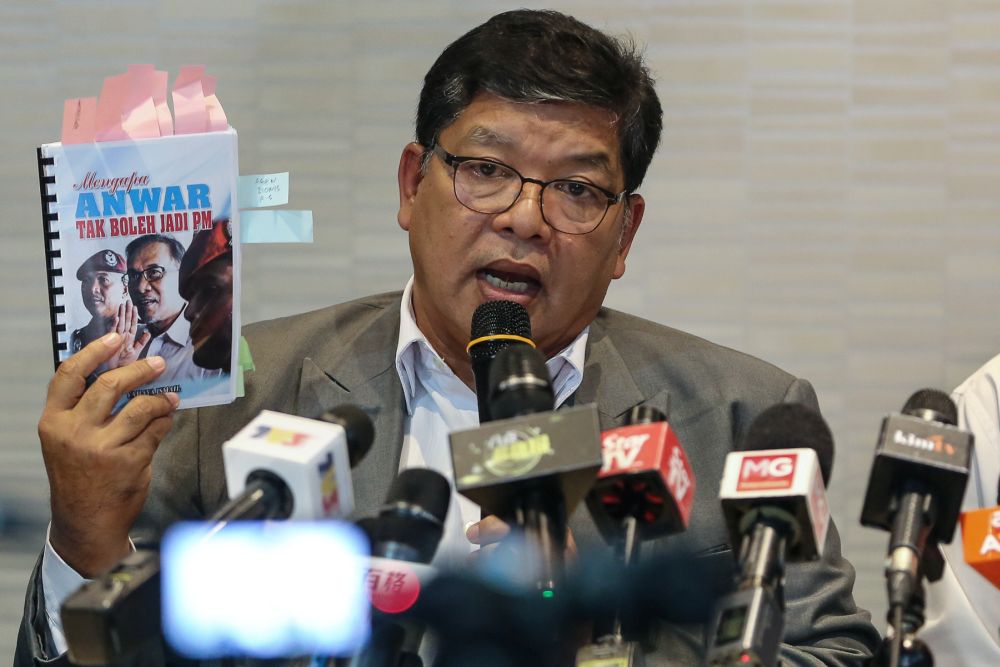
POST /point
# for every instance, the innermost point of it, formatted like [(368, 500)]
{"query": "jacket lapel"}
[(608, 382), (361, 371)]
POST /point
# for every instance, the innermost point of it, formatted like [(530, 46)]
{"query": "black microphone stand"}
[(901, 647)]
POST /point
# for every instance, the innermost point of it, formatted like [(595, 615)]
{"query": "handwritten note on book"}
[(260, 190)]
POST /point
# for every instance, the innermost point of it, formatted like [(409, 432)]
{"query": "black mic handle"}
[(541, 513), (912, 523), (265, 496)]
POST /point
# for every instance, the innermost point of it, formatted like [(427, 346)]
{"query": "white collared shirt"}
[(177, 349), (438, 402)]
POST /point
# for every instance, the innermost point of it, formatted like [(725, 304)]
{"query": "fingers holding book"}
[(98, 463)]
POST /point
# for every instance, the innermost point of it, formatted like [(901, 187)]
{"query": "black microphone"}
[(404, 537), (496, 325), (915, 492), (532, 466), (773, 496)]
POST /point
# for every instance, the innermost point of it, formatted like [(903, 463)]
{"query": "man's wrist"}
[(88, 557)]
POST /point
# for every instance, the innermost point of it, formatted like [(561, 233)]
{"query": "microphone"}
[(278, 466), (644, 489), (981, 540), (496, 325), (773, 495), (531, 466), (285, 467), (404, 538), (646, 485), (915, 488)]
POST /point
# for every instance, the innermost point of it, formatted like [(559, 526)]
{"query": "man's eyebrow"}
[(486, 137)]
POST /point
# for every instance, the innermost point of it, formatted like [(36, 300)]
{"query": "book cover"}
[(142, 237)]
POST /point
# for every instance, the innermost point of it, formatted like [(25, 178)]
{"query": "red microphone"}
[(981, 542), (646, 476), (644, 489)]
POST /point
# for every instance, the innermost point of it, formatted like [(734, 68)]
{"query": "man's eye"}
[(576, 190), (488, 170)]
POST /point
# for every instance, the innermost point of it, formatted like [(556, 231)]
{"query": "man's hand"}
[(491, 530), (126, 324), (98, 464)]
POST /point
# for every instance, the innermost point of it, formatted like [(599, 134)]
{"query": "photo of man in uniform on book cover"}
[(104, 291)]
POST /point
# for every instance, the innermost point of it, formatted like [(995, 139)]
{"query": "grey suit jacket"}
[(345, 354)]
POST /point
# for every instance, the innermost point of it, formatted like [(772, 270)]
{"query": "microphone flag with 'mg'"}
[(496, 325), (532, 466), (773, 495)]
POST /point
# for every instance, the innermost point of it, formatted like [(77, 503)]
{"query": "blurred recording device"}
[(645, 489), (773, 495), (915, 492), (265, 589), (277, 467), (531, 466)]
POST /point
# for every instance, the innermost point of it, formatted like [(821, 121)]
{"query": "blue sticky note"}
[(257, 190), (280, 226)]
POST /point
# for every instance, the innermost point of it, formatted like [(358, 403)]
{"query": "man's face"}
[(462, 258), (102, 293), (157, 300), (210, 312)]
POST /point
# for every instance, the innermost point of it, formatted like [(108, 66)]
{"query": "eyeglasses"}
[(488, 186), (152, 274)]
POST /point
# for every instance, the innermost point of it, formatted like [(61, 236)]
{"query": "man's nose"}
[(525, 218)]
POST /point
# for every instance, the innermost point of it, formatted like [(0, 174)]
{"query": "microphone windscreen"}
[(932, 405), (423, 489), (792, 426), (358, 428), (494, 318)]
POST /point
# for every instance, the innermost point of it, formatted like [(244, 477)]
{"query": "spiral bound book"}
[(142, 238)]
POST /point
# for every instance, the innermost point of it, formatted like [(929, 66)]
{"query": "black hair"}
[(175, 246), (545, 56)]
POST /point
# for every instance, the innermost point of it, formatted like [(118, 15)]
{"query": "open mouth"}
[(509, 281)]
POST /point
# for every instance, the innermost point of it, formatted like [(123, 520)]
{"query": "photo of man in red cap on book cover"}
[(206, 283)]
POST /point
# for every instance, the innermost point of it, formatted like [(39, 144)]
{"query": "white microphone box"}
[(309, 455)]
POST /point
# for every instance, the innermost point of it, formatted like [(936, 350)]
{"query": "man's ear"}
[(410, 173), (633, 216)]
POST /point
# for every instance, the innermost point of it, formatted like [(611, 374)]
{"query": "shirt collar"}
[(179, 331), (414, 355)]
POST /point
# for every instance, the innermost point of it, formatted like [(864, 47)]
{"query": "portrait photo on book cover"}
[(165, 299)]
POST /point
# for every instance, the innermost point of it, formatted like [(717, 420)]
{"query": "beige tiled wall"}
[(827, 194)]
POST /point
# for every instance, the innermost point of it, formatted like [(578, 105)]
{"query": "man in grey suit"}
[(534, 132)]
